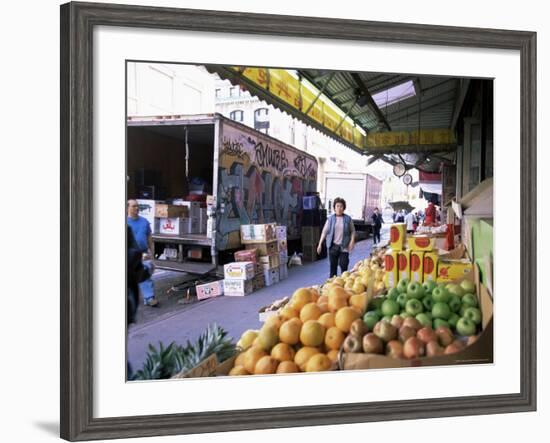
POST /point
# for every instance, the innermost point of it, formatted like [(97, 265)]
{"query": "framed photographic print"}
[(300, 213)]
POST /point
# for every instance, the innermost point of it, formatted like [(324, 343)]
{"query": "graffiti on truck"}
[(260, 182)]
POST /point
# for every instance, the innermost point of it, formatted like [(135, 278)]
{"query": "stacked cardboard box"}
[(209, 290), (263, 239), (239, 278)]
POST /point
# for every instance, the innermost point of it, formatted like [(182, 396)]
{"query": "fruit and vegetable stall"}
[(407, 304)]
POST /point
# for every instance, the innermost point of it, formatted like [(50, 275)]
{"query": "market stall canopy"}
[(399, 205), (378, 114), (430, 182)]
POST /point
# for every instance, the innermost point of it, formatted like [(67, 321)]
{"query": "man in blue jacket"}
[(339, 233)]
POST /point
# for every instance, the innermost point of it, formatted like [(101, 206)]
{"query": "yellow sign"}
[(427, 137), (289, 89)]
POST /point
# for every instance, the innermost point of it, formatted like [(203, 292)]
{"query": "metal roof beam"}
[(381, 118), (415, 105)]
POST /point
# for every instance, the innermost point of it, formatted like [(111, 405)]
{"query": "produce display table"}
[(192, 267)]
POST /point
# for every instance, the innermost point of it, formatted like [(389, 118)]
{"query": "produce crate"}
[(240, 270), (247, 255), (163, 210), (421, 243), (398, 236), (264, 248), (209, 290), (178, 226), (269, 261), (258, 233), (237, 288), (481, 351), (271, 276)]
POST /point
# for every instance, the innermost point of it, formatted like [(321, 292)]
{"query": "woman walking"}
[(339, 233)]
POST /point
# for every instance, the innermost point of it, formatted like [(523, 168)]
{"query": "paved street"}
[(235, 314)]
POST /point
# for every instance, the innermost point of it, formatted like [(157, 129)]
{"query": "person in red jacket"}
[(430, 215)]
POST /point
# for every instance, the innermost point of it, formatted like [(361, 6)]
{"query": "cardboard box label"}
[(417, 259), (281, 232), (398, 235), (421, 243), (234, 287), (429, 266), (404, 265), (210, 290), (178, 226), (239, 270), (390, 264)]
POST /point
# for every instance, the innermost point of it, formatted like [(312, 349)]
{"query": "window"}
[(237, 115), (233, 91), (394, 94), (261, 120), (218, 92)]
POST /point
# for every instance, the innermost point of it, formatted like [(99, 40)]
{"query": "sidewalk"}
[(233, 314)]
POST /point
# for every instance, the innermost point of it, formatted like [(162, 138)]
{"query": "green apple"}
[(454, 289), (386, 318), (405, 314), (441, 310), (453, 319), (415, 290), (390, 308), (370, 319), (428, 302), (469, 300), (402, 300), (392, 294), (402, 285), (465, 327), (473, 314), (414, 307), (468, 286), (440, 295), (454, 303), (429, 286), (376, 302), (424, 318), (440, 322)]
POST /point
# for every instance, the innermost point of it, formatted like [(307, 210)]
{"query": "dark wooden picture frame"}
[(77, 214)]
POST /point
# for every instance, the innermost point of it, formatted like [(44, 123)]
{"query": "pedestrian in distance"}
[(339, 234), (141, 230), (410, 221), (376, 226)]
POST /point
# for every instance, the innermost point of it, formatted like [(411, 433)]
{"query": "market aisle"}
[(234, 314)]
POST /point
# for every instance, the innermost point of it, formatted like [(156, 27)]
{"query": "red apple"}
[(406, 332), (352, 344), (426, 334), (372, 344), (433, 349), (386, 331), (358, 328), (414, 348), (471, 339), (394, 349), (397, 321), (412, 322), (454, 347), (444, 335)]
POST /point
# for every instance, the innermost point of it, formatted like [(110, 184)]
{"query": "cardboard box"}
[(283, 271), (417, 259), (449, 270), (178, 226), (429, 266), (281, 232), (271, 276), (421, 243), (147, 211), (311, 235), (258, 269), (209, 290), (258, 233), (269, 261), (244, 270), (258, 281), (195, 253), (404, 264), (237, 288), (398, 236), (247, 255), (480, 352), (390, 265), (193, 208), (283, 257), (163, 210), (282, 245), (264, 248), (203, 221)]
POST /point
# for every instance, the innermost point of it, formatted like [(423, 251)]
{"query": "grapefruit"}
[(303, 355), (333, 355), (287, 313), (283, 352), (287, 367), (238, 370), (289, 332), (312, 333), (318, 362), (268, 337), (345, 317), (251, 358), (327, 320), (300, 298), (311, 311), (266, 365), (334, 338)]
